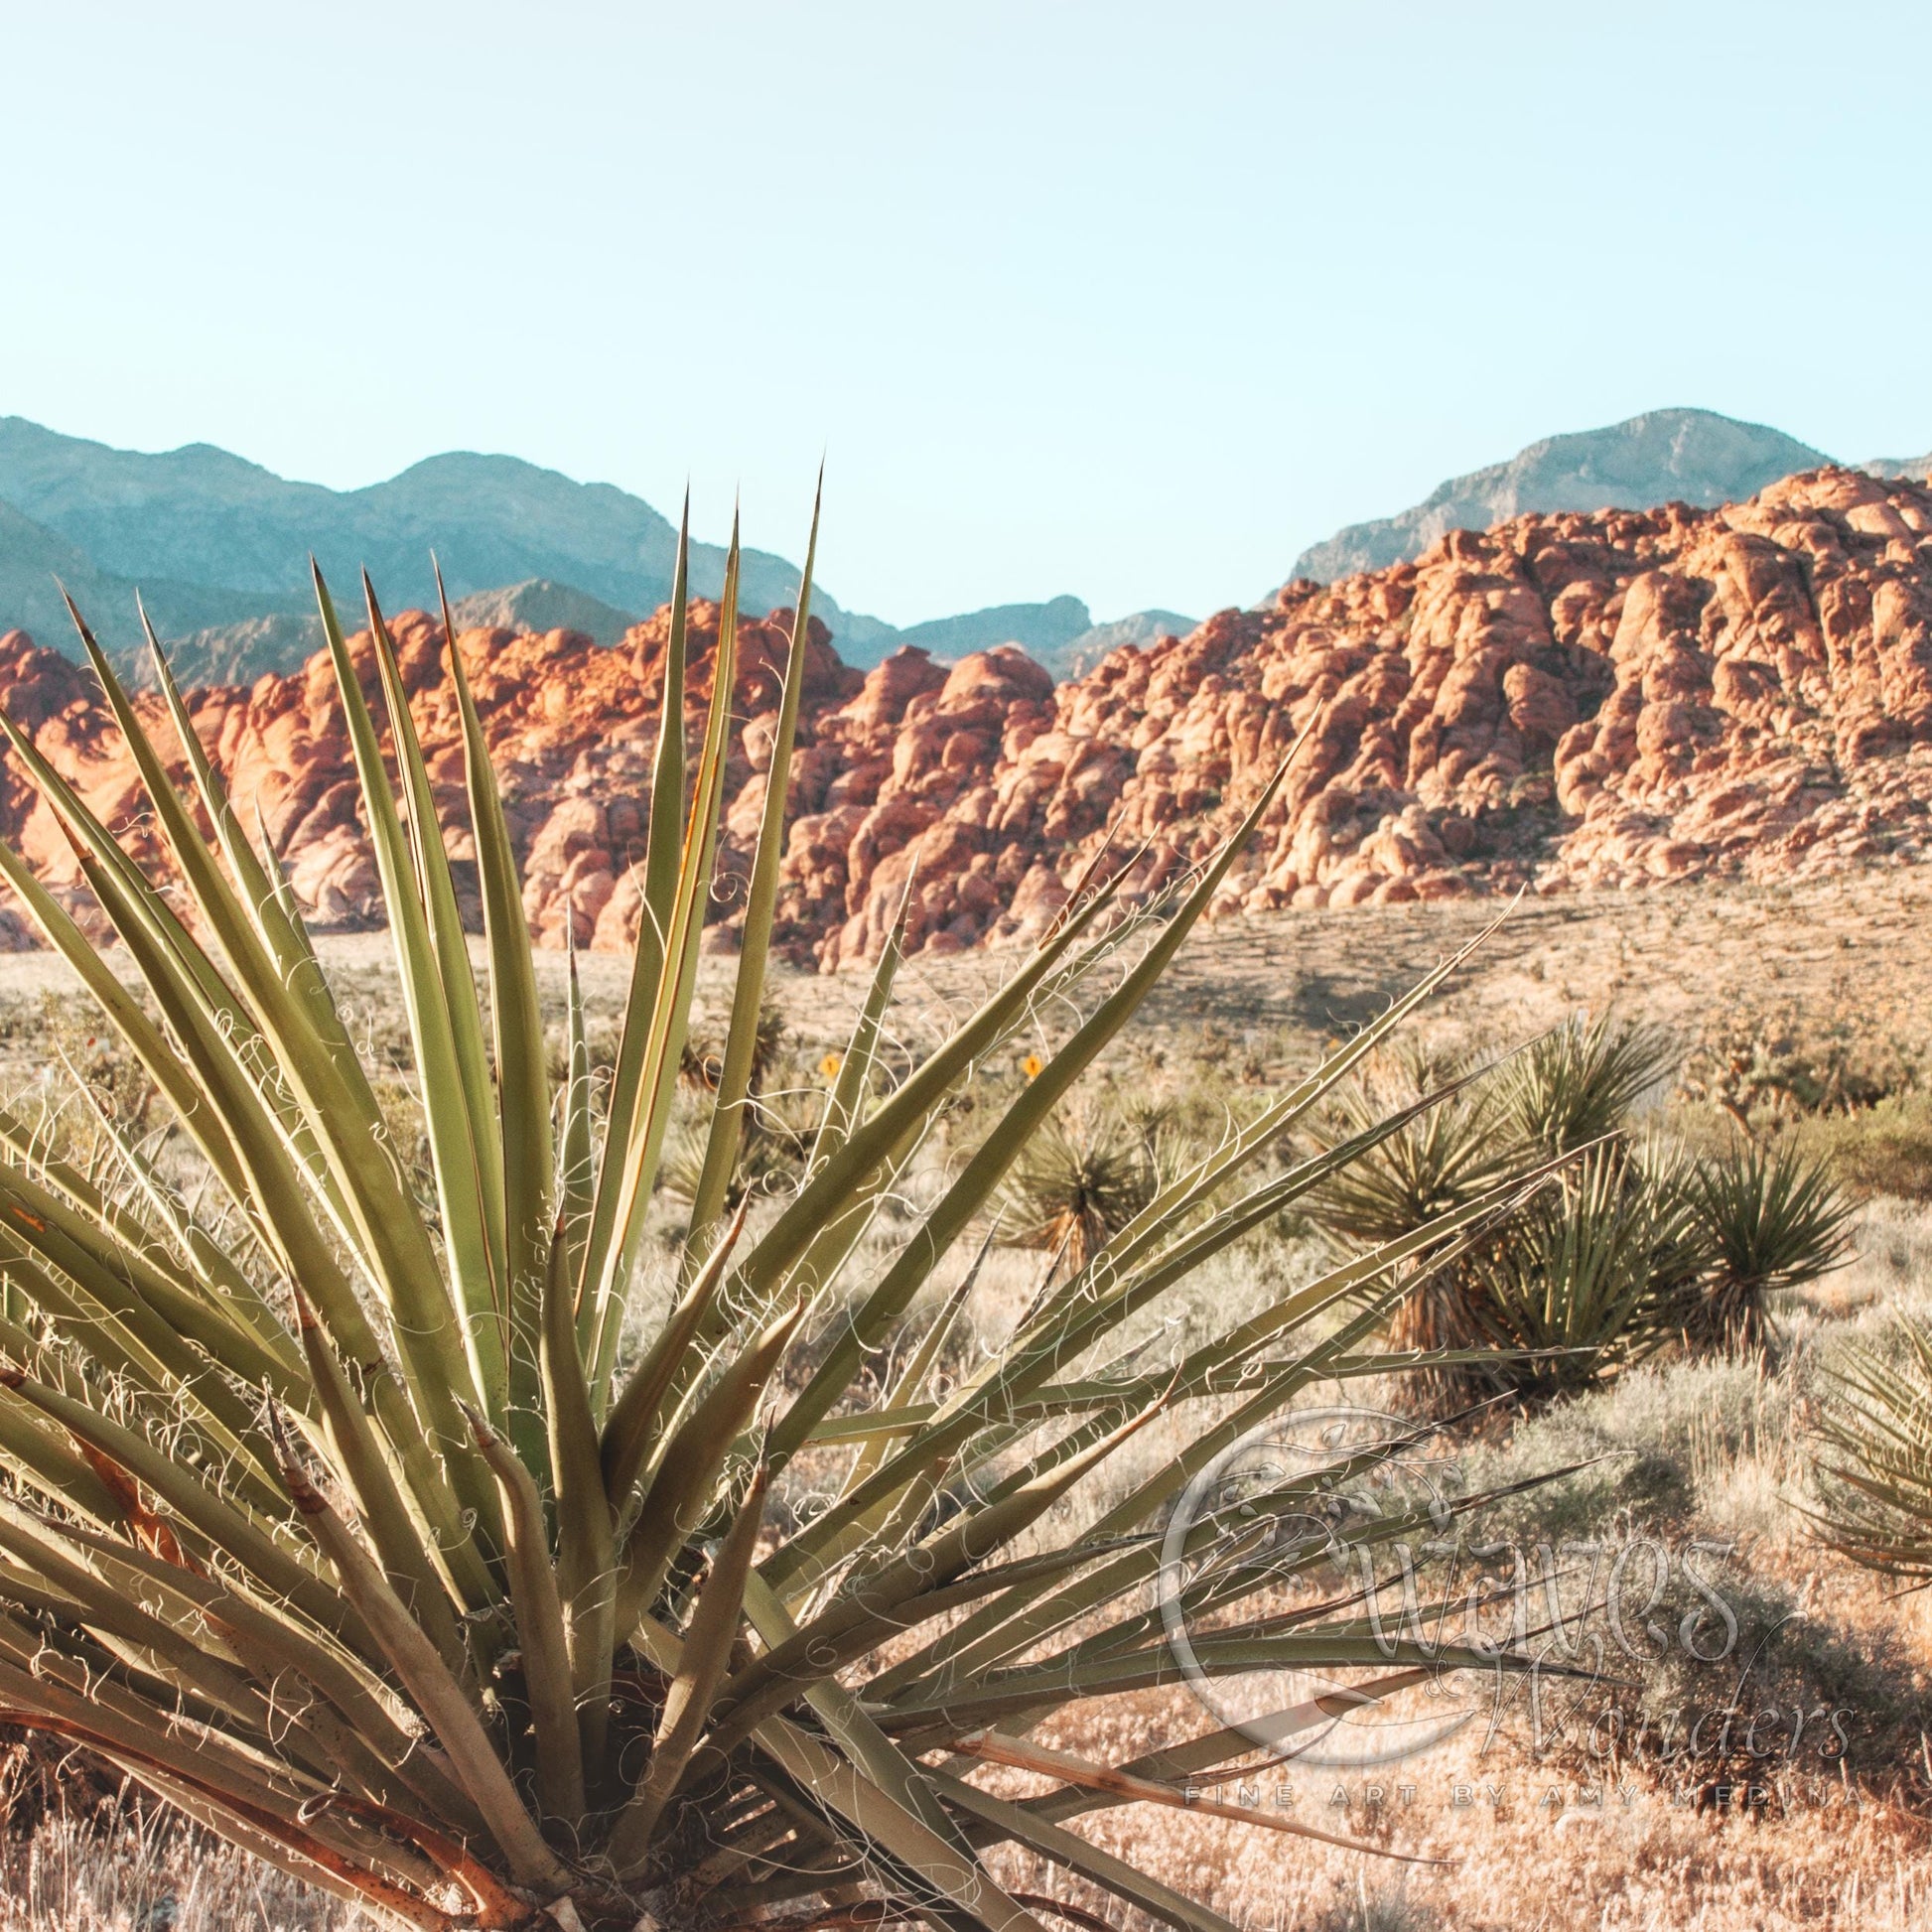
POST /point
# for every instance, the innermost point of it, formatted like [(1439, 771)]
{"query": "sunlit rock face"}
[(1604, 699)]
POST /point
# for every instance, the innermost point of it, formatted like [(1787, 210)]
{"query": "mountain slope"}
[(1690, 456), (35, 561), (539, 605), (242, 651), (1080, 655), (222, 547), (200, 516), (1060, 635), (1915, 469), (1037, 627)]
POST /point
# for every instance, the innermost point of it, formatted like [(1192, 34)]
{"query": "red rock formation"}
[(1609, 699), (1603, 700)]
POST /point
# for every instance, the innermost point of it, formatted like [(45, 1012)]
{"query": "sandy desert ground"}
[(1495, 1830)]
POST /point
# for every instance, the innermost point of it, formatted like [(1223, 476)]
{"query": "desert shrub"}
[(125, 1863), (1884, 1149), (1655, 1444), (602, 1038), (41, 1778), (1761, 1065), (1835, 1081), (1892, 1263), (117, 1095)]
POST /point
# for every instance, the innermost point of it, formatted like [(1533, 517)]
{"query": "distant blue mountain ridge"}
[(220, 547)]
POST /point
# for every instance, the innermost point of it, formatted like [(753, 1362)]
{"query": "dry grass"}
[(1524, 1865), (1250, 995), (126, 1868), (1712, 1449)]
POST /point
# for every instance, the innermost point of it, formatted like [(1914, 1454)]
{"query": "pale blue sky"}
[(1132, 301)]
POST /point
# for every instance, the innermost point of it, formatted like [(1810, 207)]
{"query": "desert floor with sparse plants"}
[(1786, 1027)]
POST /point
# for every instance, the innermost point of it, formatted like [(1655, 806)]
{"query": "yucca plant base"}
[(338, 1517)]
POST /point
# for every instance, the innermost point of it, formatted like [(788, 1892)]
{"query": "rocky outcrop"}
[(572, 728), (1611, 699)]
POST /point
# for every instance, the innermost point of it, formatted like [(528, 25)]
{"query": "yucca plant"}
[(1773, 1221), (777, 1131), (349, 1523), (702, 1060), (1872, 1472), (1590, 1271), (1579, 1081), (1454, 1147), (1449, 1147), (1077, 1184), (1465, 1125)]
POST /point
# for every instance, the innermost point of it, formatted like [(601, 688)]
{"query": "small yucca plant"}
[(1872, 1438), (1077, 1184), (1447, 1146), (1452, 1147), (335, 1518), (1565, 1279), (1579, 1081), (777, 1130), (1773, 1221), (1591, 1270)]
